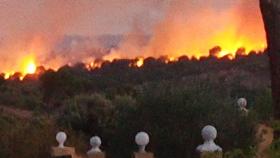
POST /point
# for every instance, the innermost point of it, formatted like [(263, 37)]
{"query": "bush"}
[(263, 105), (23, 139), (87, 113), (274, 150), (239, 153), (174, 116)]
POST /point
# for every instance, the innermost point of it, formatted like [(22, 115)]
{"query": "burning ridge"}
[(31, 71)]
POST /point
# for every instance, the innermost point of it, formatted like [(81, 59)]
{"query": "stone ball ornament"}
[(61, 138), (95, 143), (142, 140), (242, 102), (209, 134)]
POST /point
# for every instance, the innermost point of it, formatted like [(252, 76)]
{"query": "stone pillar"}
[(209, 149), (62, 151), (211, 155), (95, 151), (142, 140)]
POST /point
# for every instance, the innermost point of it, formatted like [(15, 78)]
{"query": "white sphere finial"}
[(61, 138), (95, 143), (242, 102), (209, 134), (142, 140)]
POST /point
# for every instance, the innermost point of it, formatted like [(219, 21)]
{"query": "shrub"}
[(174, 115), (274, 150), (87, 113)]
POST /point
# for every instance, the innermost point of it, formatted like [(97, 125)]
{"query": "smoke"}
[(131, 45), (36, 29), (192, 27), (33, 29), (32, 32)]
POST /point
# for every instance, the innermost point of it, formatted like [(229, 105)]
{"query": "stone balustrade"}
[(209, 133), (62, 151), (209, 149)]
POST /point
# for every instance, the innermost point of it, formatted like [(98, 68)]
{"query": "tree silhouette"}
[(271, 15)]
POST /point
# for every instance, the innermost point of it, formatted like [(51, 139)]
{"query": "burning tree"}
[(271, 15)]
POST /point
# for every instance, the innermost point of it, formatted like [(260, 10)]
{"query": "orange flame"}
[(28, 66), (93, 65), (173, 37), (139, 62)]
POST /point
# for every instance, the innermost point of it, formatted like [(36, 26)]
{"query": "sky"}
[(83, 17), (90, 17)]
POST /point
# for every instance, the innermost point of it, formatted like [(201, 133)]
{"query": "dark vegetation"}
[(271, 17), (172, 102)]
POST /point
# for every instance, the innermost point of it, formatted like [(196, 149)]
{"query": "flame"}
[(93, 65), (170, 59), (139, 62), (230, 41), (8, 75), (192, 30), (176, 35), (30, 67)]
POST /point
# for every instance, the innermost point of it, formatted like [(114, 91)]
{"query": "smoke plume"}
[(36, 29), (192, 27)]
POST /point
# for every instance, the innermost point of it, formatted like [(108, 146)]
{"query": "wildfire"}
[(94, 64), (170, 59), (227, 34), (184, 28), (30, 67), (7, 75), (230, 42), (139, 62)]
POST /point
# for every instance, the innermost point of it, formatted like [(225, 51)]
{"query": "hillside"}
[(116, 100)]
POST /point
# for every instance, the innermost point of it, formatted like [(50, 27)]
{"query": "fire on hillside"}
[(30, 69), (183, 30)]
